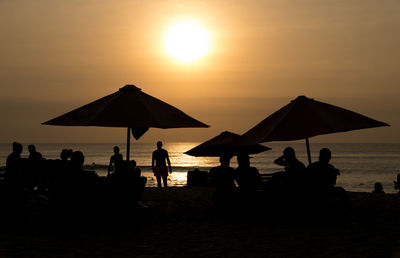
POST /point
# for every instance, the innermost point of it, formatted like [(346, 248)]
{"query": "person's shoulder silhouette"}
[(290, 161), (33, 154), (15, 157), (321, 172)]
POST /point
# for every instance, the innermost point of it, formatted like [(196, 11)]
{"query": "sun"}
[(187, 41)]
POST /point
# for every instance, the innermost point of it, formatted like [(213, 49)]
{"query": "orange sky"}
[(58, 55)]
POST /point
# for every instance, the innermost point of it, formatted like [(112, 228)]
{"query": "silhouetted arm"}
[(109, 166), (152, 162), (281, 161), (169, 164), (258, 177)]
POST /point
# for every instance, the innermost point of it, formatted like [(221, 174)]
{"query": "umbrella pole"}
[(308, 151), (128, 143)]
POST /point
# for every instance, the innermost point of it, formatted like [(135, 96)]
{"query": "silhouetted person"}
[(123, 190), (33, 154), (127, 170), (82, 186), (248, 177), (324, 196), (58, 171), (15, 180), (14, 164), (134, 170), (132, 175), (65, 154), (289, 161), (378, 188), (161, 159), (77, 160), (322, 174), (397, 183), (295, 169), (35, 177), (223, 179), (115, 160)]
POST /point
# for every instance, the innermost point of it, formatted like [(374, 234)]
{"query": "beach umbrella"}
[(222, 144), (303, 118), (131, 108)]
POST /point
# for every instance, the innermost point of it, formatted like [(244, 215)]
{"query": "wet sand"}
[(183, 222)]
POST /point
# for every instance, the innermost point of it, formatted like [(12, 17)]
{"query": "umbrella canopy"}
[(222, 144), (303, 118), (131, 108)]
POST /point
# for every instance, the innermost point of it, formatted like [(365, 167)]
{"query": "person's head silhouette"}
[(31, 148), (77, 159), (65, 154), (378, 187), (289, 153), (225, 160), (116, 149), (243, 160), (159, 144), (324, 155), (17, 147)]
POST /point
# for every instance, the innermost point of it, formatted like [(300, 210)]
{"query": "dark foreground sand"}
[(183, 222)]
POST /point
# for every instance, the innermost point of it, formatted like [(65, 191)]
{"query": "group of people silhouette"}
[(320, 175), (71, 187), (160, 160), (224, 177), (72, 191), (317, 181)]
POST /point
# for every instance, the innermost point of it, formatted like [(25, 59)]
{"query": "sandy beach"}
[(183, 222)]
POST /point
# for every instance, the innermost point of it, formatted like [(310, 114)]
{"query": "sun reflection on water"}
[(177, 159)]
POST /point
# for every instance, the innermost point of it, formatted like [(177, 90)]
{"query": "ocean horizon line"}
[(148, 142)]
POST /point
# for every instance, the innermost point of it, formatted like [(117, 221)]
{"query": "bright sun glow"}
[(187, 41)]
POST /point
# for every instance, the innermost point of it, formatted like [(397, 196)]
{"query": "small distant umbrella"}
[(131, 108), (303, 118), (222, 145)]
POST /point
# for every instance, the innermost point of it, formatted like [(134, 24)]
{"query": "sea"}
[(361, 165)]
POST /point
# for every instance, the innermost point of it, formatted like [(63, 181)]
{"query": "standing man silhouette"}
[(160, 169)]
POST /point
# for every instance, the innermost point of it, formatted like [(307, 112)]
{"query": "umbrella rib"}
[(151, 114), (273, 129), (112, 97)]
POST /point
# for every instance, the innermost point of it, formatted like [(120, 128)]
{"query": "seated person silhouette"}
[(130, 177), (34, 176), (80, 190), (84, 180), (81, 177), (14, 172), (115, 161), (14, 163), (289, 161), (65, 154), (322, 174), (33, 154), (136, 172), (77, 160), (73, 189), (14, 158), (247, 177), (397, 183), (378, 188), (294, 169), (223, 179), (127, 170), (58, 170)]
